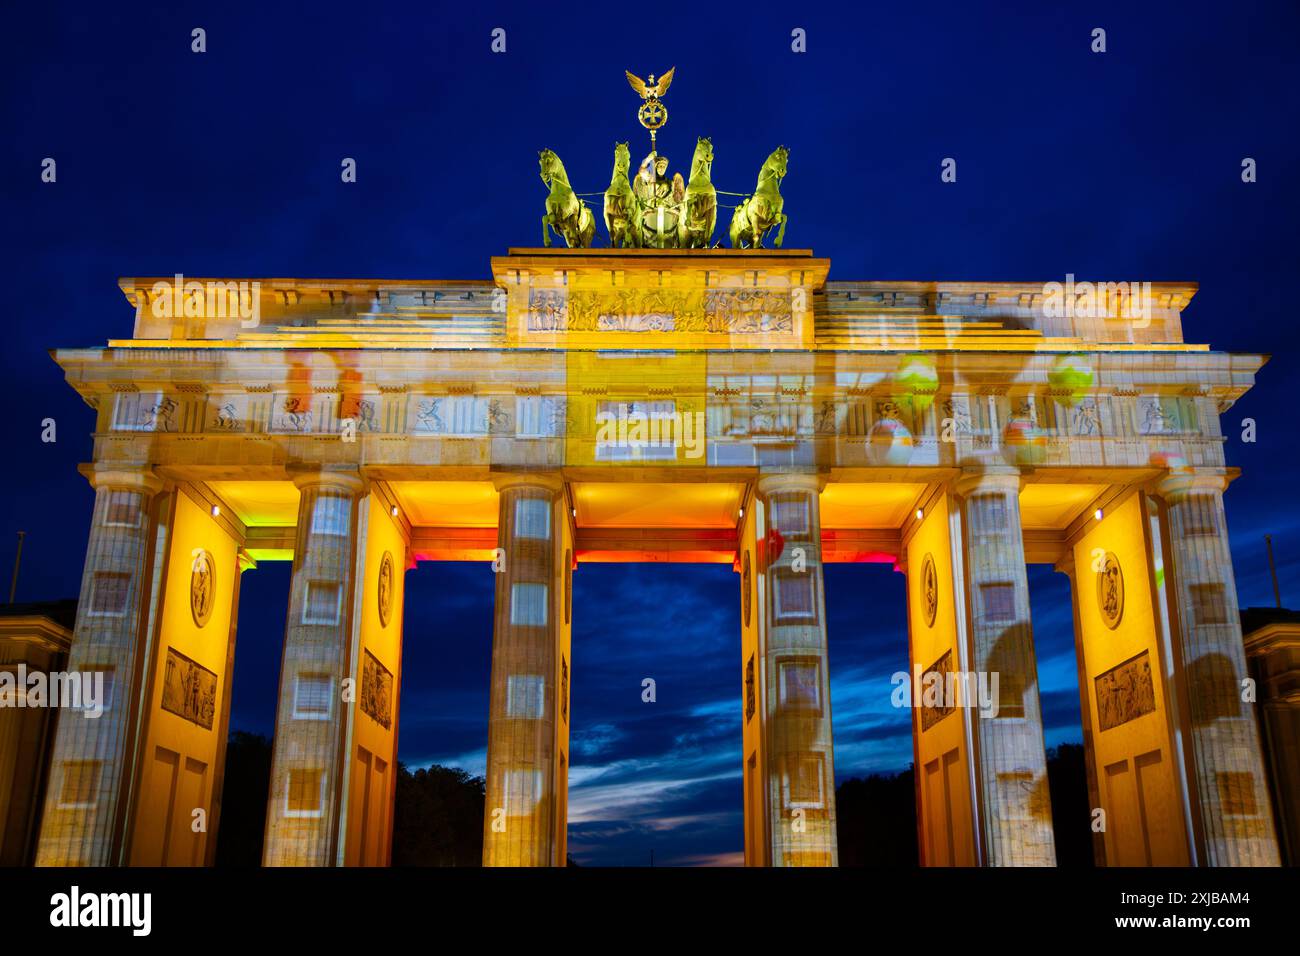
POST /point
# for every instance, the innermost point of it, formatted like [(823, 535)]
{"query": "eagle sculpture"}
[(649, 89)]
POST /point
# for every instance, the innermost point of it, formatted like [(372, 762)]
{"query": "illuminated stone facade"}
[(693, 406), (1273, 654), (34, 639)]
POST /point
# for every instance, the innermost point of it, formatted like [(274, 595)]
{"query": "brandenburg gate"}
[(661, 404), (662, 400)]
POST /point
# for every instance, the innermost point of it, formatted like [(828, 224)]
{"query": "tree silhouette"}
[(876, 816), (1067, 779), (438, 818), (876, 820), (243, 800)]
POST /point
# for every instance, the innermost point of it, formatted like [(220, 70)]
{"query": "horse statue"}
[(620, 203), (760, 212), (565, 212), (695, 227)]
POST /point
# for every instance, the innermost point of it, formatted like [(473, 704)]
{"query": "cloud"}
[(595, 740)]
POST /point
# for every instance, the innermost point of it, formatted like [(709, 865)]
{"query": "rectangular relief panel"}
[(377, 691), (1125, 692), (189, 690), (687, 299), (939, 677)]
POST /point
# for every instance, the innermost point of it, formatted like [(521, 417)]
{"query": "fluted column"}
[(1234, 815), (93, 758), (1011, 764), (308, 769), (527, 764), (798, 758)]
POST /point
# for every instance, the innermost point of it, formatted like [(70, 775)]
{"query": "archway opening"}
[(655, 744), (254, 692), (1052, 615), (443, 714), (866, 607)]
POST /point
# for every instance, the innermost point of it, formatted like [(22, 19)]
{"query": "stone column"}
[(796, 758), (937, 647), (185, 689), (377, 662), (1235, 820), (308, 769), (1011, 766), (1273, 653), (1122, 653), (93, 760), (527, 762)]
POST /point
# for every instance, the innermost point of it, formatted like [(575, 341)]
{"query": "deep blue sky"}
[(1120, 166)]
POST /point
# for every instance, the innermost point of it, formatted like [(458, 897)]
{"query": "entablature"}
[(652, 298)]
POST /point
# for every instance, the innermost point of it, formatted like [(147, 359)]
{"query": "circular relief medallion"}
[(929, 590), (745, 582), (203, 586), (1110, 591), (385, 588)]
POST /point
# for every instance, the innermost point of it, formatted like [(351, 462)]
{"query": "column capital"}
[(549, 480), (790, 481), (1184, 482), (345, 478), (994, 478), (120, 477)]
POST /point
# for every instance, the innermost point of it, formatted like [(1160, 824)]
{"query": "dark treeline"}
[(437, 817), (438, 812), (876, 819), (877, 815), (243, 800), (1067, 778)]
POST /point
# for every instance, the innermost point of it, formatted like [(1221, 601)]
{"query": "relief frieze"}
[(712, 311)]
